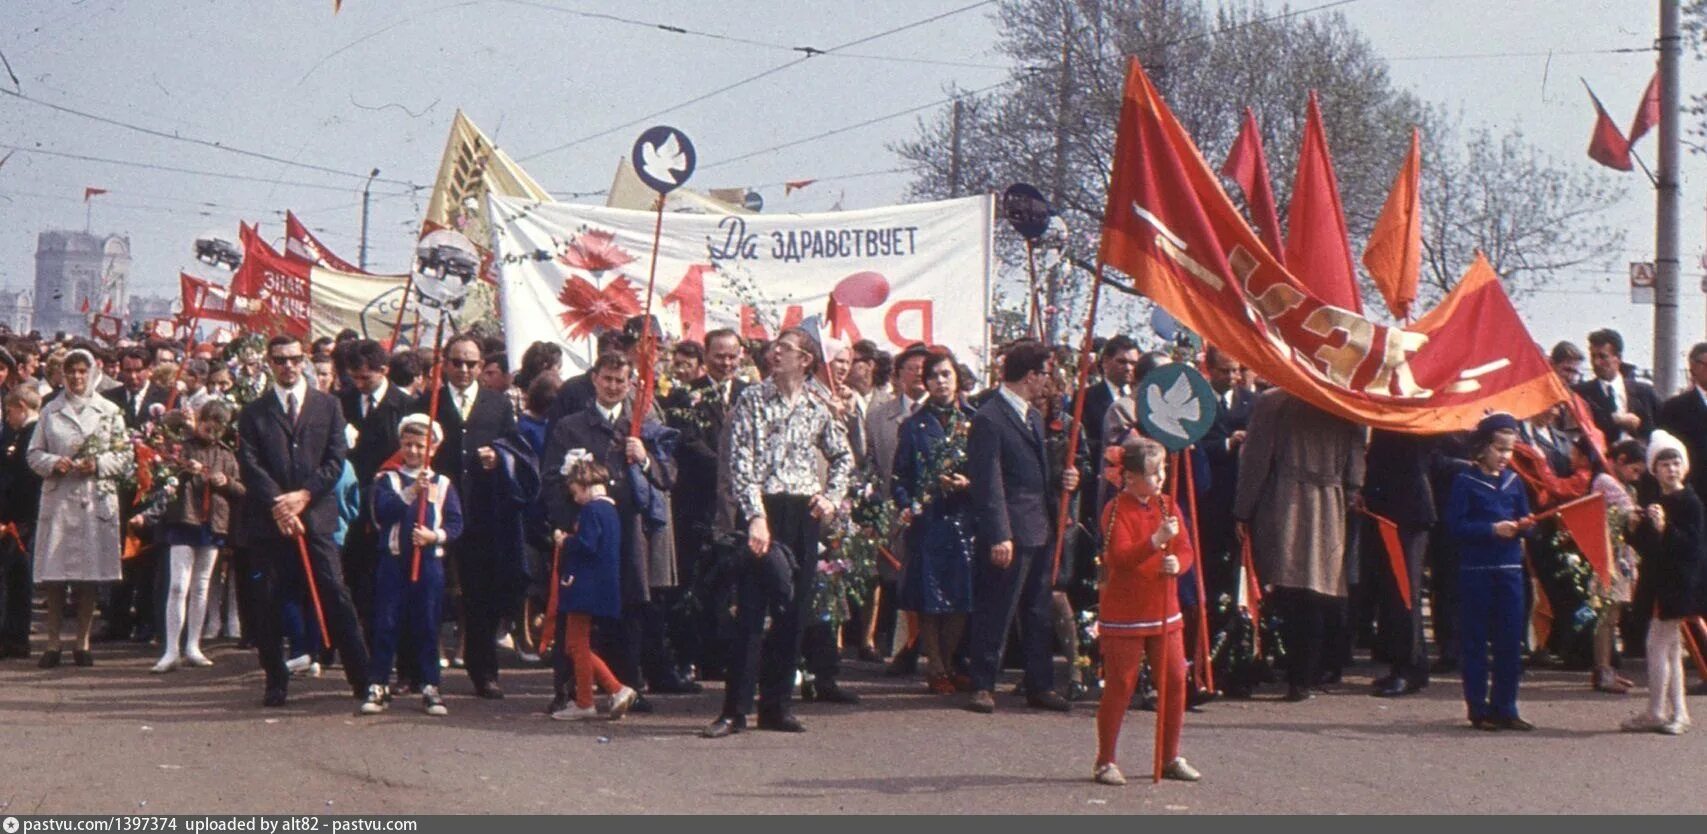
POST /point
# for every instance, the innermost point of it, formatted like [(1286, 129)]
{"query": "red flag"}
[(1648, 112), (795, 185), (1318, 248), (300, 243), (1585, 520), (85, 307), (1395, 554), (107, 308), (1607, 146), (1247, 165), (91, 192), (281, 284), (1394, 254)]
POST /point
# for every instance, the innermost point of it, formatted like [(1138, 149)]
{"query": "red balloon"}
[(861, 290)]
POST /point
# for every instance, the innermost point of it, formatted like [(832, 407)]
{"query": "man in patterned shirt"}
[(777, 432)]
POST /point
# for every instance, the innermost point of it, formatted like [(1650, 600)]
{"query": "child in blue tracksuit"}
[(402, 602), (1486, 513)]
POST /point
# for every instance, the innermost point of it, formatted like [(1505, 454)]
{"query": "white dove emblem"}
[(1172, 410), (662, 161)]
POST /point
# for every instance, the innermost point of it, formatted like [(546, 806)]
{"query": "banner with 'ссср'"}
[(1171, 227)]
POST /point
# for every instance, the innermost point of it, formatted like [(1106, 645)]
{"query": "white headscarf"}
[(1664, 441), (80, 400)]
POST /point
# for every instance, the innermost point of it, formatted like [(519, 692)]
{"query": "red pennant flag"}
[(1247, 165), (300, 243), (1648, 112), (92, 192), (107, 308), (1318, 247), (1394, 254), (795, 185), (283, 285), (1607, 146), (1395, 554), (85, 307), (1585, 520)]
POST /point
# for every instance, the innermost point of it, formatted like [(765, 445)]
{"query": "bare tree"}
[(1053, 125)]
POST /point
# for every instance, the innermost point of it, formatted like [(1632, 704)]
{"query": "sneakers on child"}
[(1674, 727), (166, 664), (197, 659), (1181, 770), (374, 704), (1642, 723), (431, 702), (1108, 774), (622, 701), (299, 664), (575, 712)]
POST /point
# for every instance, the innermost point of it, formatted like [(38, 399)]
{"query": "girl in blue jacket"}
[(1486, 513), (589, 585)]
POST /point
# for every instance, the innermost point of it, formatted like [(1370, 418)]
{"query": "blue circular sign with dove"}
[(664, 158), (1176, 406)]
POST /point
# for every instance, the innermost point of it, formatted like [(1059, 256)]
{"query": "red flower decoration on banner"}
[(595, 252), (588, 309)]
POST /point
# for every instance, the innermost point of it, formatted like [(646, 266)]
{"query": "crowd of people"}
[(760, 512)]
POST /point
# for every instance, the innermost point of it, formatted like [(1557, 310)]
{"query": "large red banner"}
[(1171, 227)]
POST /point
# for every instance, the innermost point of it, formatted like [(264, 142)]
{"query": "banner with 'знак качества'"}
[(913, 273)]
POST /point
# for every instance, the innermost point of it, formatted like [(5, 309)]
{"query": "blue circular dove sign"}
[(1027, 210), (1176, 406), (664, 158)]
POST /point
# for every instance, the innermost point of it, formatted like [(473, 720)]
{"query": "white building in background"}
[(78, 271), (17, 310), (146, 308)]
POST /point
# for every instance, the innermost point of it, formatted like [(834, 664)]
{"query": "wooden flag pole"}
[(1074, 429), (648, 339), (1034, 310), (432, 417), (313, 587), (1205, 675)]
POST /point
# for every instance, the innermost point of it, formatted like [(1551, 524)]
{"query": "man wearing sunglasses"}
[(291, 452), (484, 453)]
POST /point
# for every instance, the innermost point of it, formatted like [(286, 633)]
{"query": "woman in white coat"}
[(77, 533)]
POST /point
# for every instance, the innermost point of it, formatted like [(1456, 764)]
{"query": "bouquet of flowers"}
[(249, 378), (945, 460), (854, 542), (111, 438)]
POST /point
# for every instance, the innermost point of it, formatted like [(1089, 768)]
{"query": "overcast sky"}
[(376, 85)]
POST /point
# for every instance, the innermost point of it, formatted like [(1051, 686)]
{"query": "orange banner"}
[(1171, 227)]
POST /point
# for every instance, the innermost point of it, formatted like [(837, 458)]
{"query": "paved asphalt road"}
[(115, 739)]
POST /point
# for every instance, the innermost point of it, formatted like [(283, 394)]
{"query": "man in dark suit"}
[(1685, 416), (701, 417), (1014, 507), (602, 431), (577, 392), (373, 407), (1622, 407), (1396, 487), (135, 396), (20, 503), (291, 451), (474, 418), (1222, 556)]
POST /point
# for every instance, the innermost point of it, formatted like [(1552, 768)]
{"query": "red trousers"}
[(588, 666), (1120, 659)]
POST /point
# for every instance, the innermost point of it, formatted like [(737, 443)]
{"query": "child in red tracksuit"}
[(1138, 609)]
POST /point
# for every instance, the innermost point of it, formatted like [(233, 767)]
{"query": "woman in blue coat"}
[(931, 488), (1486, 514)]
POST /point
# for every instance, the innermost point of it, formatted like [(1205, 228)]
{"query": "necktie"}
[(290, 407), (1036, 425), (464, 403), (368, 409)]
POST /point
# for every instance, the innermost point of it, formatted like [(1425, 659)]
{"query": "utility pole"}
[(367, 188), (954, 152), (1666, 204)]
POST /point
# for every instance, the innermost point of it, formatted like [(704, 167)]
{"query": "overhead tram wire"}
[(206, 143), (752, 78), (149, 166)]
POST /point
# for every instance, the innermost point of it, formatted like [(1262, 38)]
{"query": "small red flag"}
[(85, 307), (92, 192), (1585, 520), (1648, 112), (1607, 146), (1318, 247), (1394, 254), (1247, 165), (1395, 555), (795, 185)]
